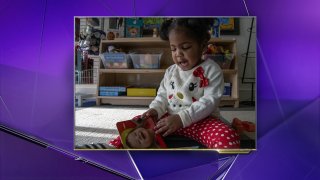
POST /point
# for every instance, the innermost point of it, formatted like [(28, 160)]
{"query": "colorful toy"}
[(144, 129), (110, 36), (215, 29), (241, 126)]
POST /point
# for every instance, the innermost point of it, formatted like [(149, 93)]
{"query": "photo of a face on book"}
[(139, 133)]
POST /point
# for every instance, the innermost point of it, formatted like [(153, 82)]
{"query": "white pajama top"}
[(193, 94)]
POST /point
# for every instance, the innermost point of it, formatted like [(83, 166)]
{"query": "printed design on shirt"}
[(199, 72), (183, 91), (176, 101)]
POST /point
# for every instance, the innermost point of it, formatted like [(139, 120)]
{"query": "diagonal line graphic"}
[(135, 165), (157, 13), (134, 8), (270, 78), (267, 70), (108, 8), (73, 155), (254, 155), (284, 116), (289, 118), (234, 160), (310, 172), (225, 166), (37, 71), (132, 160), (239, 171), (6, 108), (245, 5)]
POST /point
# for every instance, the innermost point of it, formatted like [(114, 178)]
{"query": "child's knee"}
[(228, 140), (224, 139)]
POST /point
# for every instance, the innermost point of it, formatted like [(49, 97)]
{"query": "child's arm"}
[(160, 103), (152, 113)]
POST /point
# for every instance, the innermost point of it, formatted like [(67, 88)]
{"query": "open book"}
[(139, 133)]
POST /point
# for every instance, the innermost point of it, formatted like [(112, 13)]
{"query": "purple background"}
[(36, 91)]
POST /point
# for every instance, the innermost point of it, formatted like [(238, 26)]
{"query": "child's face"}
[(140, 138), (186, 51)]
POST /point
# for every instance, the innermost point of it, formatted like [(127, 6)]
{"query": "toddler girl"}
[(189, 94)]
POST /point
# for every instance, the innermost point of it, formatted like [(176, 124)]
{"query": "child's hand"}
[(151, 113), (169, 125)]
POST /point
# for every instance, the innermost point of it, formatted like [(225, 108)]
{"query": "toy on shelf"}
[(151, 26), (90, 40), (133, 27), (223, 57), (111, 35), (115, 58), (215, 28)]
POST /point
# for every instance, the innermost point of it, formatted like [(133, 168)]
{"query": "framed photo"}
[(133, 27), (229, 26), (96, 23), (150, 25)]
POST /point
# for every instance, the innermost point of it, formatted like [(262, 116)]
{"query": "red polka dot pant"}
[(212, 133)]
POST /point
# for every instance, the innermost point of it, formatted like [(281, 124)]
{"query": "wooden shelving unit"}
[(153, 77)]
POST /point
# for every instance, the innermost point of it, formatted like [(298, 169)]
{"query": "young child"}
[(189, 94)]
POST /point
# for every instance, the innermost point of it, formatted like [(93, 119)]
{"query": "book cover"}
[(227, 89), (111, 93), (113, 88), (142, 92), (133, 27), (139, 133)]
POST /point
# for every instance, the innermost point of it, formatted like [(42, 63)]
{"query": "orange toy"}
[(241, 126)]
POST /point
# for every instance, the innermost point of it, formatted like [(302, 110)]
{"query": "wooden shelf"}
[(125, 97), (141, 71), (135, 40), (121, 100), (151, 98), (229, 71), (226, 98), (157, 40), (149, 42), (124, 100), (133, 71), (224, 40), (120, 77)]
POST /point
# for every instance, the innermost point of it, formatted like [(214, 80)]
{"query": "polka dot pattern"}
[(116, 143), (212, 133)]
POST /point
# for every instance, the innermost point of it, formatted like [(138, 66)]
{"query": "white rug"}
[(98, 124)]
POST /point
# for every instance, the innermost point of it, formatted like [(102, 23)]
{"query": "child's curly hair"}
[(196, 28)]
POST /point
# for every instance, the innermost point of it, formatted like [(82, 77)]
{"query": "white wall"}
[(242, 43)]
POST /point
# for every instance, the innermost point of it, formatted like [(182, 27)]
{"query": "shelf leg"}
[(236, 104), (98, 102)]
